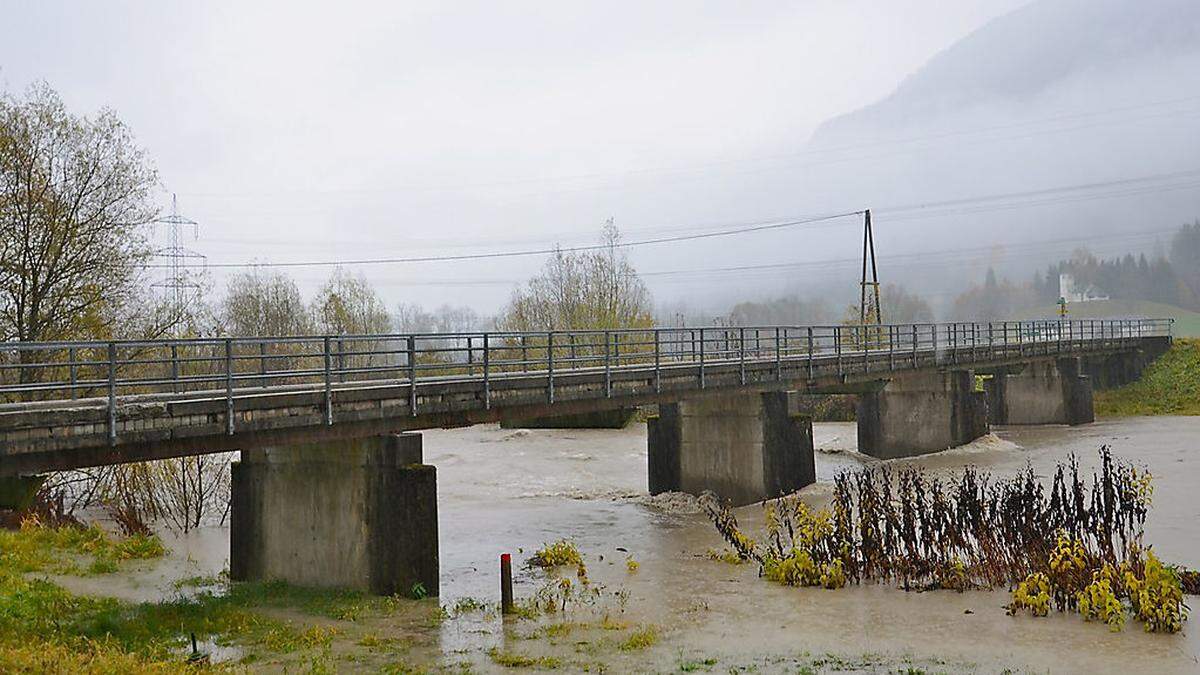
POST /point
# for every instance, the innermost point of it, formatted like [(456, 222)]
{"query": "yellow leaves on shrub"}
[(799, 569), (1156, 597), (1032, 594), (560, 553), (1098, 602)]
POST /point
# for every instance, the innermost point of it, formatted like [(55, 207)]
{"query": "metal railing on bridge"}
[(234, 367)]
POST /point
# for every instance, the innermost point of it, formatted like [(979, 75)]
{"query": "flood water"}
[(513, 490)]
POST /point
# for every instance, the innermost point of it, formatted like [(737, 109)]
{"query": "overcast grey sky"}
[(299, 131)]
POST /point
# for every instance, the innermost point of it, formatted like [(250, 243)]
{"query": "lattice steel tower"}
[(178, 283)]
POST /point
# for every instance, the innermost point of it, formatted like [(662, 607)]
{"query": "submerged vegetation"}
[(1079, 548), (558, 554), (45, 628), (1169, 386), (64, 550)]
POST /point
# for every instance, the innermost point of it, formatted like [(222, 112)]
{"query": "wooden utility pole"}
[(875, 313)]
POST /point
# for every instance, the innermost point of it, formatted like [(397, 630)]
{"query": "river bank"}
[(515, 490), (1169, 386)]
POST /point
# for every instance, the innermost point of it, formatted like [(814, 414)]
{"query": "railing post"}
[(778, 357), (112, 393), (550, 366), (262, 363), (954, 342), (701, 358), (229, 386), (524, 355), (991, 343), (341, 359), (571, 340), (74, 373), (810, 352), (742, 354), (487, 386), (412, 375), (866, 347), (607, 367), (891, 348), (933, 331), (470, 356), (657, 362), (175, 365), (837, 348), (328, 381), (914, 346)]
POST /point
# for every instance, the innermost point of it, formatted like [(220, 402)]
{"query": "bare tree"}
[(588, 290), (73, 195), (348, 305), (259, 304)]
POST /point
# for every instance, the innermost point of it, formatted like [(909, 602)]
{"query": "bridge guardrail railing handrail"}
[(235, 367)]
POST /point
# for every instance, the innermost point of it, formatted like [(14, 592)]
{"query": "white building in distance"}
[(1069, 292)]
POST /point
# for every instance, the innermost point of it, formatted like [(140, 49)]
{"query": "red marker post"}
[(506, 596)]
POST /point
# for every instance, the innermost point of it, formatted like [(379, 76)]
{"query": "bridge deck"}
[(84, 404)]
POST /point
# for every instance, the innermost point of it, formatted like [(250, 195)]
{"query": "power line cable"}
[(541, 251), (1004, 201)]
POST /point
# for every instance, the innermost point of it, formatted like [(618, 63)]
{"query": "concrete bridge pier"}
[(1043, 392), (358, 513), (743, 447), (920, 413)]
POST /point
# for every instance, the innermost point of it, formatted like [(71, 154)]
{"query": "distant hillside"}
[(1187, 323), (1021, 56)]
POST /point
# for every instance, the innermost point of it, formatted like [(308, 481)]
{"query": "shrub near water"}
[(560, 553), (1077, 549)]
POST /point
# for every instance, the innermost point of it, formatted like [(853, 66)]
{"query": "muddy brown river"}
[(513, 490)]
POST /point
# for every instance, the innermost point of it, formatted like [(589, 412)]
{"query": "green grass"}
[(646, 636), (42, 624), (1169, 386), (1187, 322), (510, 659), (35, 548)]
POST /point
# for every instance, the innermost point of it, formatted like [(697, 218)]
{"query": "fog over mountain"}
[(388, 130), (1045, 53), (1056, 93)]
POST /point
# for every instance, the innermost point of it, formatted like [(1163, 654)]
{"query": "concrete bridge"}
[(330, 489)]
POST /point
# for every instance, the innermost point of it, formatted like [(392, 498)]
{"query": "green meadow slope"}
[(1169, 386)]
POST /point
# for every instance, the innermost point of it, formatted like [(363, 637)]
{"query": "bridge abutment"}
[(921, 413), (358, 513), (1109, 371), (1043, 392), (743, 447)]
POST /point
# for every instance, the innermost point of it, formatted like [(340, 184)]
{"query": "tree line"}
[(1172, 279)]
